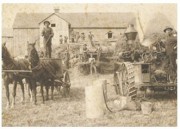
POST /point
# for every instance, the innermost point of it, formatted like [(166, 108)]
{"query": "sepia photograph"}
[(89, 65)]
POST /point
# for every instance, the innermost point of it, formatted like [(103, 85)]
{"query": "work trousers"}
[(47, 51)]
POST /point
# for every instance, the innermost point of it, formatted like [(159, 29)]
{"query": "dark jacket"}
[(47, 33)]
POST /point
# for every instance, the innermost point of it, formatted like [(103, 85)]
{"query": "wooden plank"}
[(19, 71), (50, 59), (157, 84)]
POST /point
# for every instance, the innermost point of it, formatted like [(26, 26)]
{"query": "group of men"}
[(61, 40), (76, 37)]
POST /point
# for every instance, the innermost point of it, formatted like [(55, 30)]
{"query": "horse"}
[(45, 72), (13, 77)]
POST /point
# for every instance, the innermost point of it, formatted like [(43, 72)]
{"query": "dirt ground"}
[(71, 111)]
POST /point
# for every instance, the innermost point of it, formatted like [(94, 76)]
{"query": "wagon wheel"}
[(67, 84)]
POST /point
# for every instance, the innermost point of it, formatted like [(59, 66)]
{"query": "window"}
[(53, 25), (110, 34), (145, 68)]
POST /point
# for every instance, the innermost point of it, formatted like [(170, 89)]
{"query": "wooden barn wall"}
[(21, 37)]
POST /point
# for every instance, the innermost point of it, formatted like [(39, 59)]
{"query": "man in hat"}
[(82, 37), (171, 52), (47, 33), (168, 31)]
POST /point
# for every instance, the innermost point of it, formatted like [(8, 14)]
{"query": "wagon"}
[(61, 81)]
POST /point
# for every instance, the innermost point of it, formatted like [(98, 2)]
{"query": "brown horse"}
[(44, 72), (12, 77)]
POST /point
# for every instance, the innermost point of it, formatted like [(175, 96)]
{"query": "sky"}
[(146, 11)]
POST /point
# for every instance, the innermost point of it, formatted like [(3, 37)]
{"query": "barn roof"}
[(77, 20), (29, 20)]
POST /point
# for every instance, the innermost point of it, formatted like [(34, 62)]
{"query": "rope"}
[(105, 100)]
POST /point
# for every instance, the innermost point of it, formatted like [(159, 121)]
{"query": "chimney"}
[(56, 10)]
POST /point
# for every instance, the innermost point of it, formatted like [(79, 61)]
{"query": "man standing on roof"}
[(47, 33)]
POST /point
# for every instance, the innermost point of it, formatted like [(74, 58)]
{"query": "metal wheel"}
[(116, 84), (125, 83), (124, 80)]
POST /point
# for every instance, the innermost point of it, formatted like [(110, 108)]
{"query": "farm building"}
[(27, 27)]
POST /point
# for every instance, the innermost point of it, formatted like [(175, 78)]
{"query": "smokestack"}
[(56, 9)]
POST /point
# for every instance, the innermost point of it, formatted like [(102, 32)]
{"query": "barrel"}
[(95, 106)]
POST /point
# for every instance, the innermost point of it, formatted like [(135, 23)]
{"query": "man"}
[(77, 37), (60, 39), (168, 31), (47, 33), (91, 38), (67, 58), (171, 51), (98, 50), (73, 36), (85, 53), (82, 37), (65, 39)]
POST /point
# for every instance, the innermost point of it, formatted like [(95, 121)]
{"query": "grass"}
[(71, 111)]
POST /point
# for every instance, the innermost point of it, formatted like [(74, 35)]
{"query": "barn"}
[(27, 27)]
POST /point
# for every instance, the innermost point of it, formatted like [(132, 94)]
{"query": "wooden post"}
[(92, 66), (119, 75), (95, 106)]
